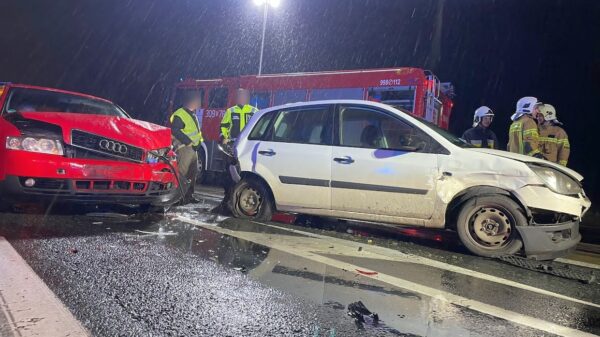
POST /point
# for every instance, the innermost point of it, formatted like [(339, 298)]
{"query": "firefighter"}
[(554, 142), (523, 135), (480, 134), (236, 117), (187, 138)]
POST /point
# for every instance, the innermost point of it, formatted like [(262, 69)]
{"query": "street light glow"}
[(272, 3)]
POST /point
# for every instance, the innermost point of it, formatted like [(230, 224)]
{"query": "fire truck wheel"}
[(251, 199)]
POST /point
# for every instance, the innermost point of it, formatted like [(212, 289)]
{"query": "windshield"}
[(37, 100), (445, 133)]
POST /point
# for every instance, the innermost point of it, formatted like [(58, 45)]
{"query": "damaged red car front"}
[(69, 147)]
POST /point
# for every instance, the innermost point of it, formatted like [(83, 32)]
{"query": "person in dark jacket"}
[(480, 134)]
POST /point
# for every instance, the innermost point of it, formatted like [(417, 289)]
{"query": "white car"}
[(368, 161)]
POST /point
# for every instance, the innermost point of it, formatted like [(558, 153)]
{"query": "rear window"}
[(36, 100)]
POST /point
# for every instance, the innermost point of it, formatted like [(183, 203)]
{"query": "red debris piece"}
[(366, 272)]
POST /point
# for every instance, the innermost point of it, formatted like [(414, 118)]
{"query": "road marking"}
[(298, 246), (416, 259), (578, 263), (32, 307)]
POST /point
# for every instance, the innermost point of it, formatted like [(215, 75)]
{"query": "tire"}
[(201, 176), (251, 199), (486, 225)]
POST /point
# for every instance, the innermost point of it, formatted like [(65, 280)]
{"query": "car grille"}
[(109, 147)]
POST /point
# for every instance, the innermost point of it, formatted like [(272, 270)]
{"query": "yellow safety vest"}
[(235, 119), (190, 123)]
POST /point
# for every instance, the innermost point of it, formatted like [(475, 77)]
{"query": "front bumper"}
[(82, 180), (547, 242), (12, 189)]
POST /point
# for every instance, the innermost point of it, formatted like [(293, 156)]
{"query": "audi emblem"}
[(112, 146)]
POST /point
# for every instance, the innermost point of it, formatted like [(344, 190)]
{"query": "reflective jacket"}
[(235, 119), (523, 136), (481, 137), (554, 144), (190, 126)]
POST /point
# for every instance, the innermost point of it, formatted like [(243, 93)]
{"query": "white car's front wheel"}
[(251, 199), (486, 225)]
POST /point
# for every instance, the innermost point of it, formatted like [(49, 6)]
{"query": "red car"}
[(62, 146)]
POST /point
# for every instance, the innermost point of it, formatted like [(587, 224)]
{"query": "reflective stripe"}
[(476, 143), (531, 132)]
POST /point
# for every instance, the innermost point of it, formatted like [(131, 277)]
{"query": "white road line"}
[(578, 263), (301, 250), (33, 307), (416, 259)]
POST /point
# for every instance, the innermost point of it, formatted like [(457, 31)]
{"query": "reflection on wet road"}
[(194, 272)]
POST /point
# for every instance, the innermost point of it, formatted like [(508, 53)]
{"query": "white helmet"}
[(481, 112), (525, 106), (549, 113)]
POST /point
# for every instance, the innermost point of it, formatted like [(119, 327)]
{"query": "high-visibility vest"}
[(523, 136), (190, 123), (235, 119)]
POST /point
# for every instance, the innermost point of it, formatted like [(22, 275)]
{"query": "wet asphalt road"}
[(196, 273)]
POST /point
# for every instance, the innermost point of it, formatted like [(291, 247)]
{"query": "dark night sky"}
[(493, 51)]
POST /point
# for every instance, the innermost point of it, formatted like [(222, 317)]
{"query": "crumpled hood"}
[(130, 131), (528, 159)]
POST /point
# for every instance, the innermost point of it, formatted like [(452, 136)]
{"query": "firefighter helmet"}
[(481, 112), (549, 113), (525, 106)]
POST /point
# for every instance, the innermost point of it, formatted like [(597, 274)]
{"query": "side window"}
[(310, 125), (260, 100), (373, 129), (262, 126), (289, 96), (217, 98), (336, 93)]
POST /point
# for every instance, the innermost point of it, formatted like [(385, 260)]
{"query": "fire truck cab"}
[(412, 90)]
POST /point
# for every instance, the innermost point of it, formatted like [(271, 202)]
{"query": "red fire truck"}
[(413, 90)]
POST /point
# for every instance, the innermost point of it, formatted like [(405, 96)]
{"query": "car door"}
[(295, 158), (381, 165)]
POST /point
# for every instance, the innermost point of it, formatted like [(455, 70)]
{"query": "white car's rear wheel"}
[(486, 225)]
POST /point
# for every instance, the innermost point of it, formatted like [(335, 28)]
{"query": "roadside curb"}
[(27, 306)]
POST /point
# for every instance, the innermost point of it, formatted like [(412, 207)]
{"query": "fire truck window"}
[(402, 97), (336, 93), (260, 100), (304, 126), (289, 96), (217, 98), (180, 94)]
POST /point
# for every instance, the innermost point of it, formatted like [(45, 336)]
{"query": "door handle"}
[(268, 152), (344, 160)]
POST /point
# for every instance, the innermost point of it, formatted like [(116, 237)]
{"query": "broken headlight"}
[(35, 144), (556, 180), (155, 156)]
